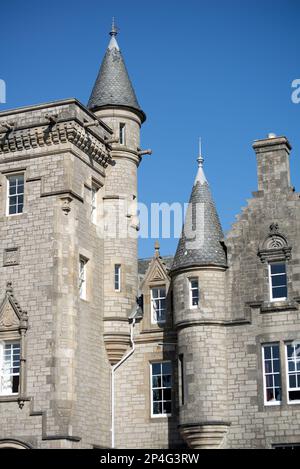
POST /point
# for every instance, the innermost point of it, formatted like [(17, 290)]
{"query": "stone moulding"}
[(40, 136), (209, 435), (116, 345)]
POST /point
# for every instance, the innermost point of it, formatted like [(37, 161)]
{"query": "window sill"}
[(277, 306), (14, 398)]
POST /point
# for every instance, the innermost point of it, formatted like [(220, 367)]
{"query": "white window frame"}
[(292, 373), (122, 133), (11, 373), (191, 289), (159, 298), (82, 277), (162, 388), (94, 204), (270, 281), (8, 196), (271, 403), (117, 277)]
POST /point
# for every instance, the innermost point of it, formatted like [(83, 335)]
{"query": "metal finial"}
[(114, 29), (200, 158)]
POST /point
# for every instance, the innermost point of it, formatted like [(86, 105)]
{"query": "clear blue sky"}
[(221, 69)]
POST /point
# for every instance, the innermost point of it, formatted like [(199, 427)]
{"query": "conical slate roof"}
[(113, 87), (200, 242)]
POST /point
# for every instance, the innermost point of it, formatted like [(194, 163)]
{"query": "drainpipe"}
[(113, 369)]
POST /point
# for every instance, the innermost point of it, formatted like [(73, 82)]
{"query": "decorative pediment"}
[(275, 246), (11, 315), (157, 271)]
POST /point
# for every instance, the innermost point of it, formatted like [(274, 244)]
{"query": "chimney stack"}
[(273, 165)]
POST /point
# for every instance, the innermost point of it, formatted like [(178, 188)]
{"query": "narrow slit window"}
[(272, 374), (161, 389), (293, 372), (15, 194), (82, 278), (181, 378), (194, 292), (94, 204), (278, 281), (117, 277), (9, 368), (122, 134)]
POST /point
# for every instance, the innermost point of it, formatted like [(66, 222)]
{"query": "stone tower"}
[(113, 100), (198, 274)]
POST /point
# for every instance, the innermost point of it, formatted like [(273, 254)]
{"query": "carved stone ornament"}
[(275, 246)]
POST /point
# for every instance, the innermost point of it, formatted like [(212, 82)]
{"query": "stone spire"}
[(113, 87), (200, 243)]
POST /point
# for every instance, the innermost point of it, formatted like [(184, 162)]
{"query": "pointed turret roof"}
[(201, 240), (113, 87)]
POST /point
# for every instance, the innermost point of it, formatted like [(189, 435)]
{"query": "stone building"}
[(99, 349)]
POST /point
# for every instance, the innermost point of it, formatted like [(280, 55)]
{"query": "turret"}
[(113, 100), (198, 274)]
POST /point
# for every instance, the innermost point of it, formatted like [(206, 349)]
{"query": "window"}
[(122, 134), (15, 194), (158, 305), (161, 389), (278, 281), (194, 292), (293, 372), (272, 377), (82, 278), (9, 367), (181, 378), (117, 277), (94, 204)]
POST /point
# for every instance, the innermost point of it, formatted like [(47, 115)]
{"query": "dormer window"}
[(158, 305), (278, 281)]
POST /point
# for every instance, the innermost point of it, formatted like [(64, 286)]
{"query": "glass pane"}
[(277, 268), (157, 408), (290, 351), (268, 366), (162, 293), (277, 381), (167, 394), (194, 283), (291, 366), (279, 292), (267, 353), (167, 407), (12, 190), (279, 280), (15, 384), (275, 351), (269, 381), (157, 394), (276, 366), (12, 209), (20, 208), (156, 381), (294, 395), (298, 365), (292, 381), (270, 395), (156, 369), (154, 293), (278, 394), (167, 381), (167, 368)]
